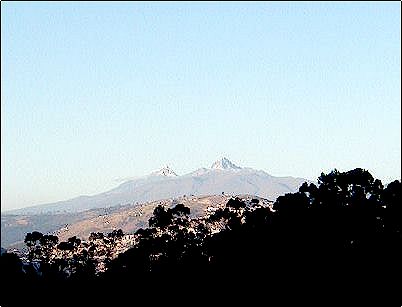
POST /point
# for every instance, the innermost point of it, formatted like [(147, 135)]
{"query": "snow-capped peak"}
[(165, 171), (224, 164)]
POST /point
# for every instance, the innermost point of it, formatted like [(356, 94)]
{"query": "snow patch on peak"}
[(224, 164), (165, 171)]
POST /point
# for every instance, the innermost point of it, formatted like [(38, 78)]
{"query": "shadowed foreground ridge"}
[(335, 237)]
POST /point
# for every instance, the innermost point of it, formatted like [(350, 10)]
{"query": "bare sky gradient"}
[(94, 92)]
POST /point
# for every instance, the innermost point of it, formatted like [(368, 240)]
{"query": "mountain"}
[(224, 164), (165, 171), (222, 177)]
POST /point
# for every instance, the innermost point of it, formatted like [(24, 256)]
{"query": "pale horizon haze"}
[(95, 92)]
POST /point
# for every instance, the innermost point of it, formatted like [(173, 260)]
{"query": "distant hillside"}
[(129, 218), (222, 176), (15, 227)]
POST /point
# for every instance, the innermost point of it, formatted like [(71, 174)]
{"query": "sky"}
[(92, 93)]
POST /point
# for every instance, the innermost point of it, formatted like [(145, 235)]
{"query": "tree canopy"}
[(346, 227)]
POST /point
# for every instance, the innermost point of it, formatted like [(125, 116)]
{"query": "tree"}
[(48, 242), (32, 241), (235, 203), (161, 217), (180, 210), (391, 198), (95, 236)]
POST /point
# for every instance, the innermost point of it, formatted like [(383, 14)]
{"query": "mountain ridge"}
[(223, 176)]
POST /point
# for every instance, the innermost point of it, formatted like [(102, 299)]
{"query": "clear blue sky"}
[(94, 92)]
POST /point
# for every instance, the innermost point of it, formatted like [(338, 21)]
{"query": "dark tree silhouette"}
[(331, 237), (161, 217), (32, 241)]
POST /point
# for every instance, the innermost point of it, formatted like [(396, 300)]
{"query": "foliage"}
[(348, 226)]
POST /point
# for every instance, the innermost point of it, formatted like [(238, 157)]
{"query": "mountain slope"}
[(223, 176), (131, 218)]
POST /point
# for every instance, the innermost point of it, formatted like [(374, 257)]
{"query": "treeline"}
[(340, 235)]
